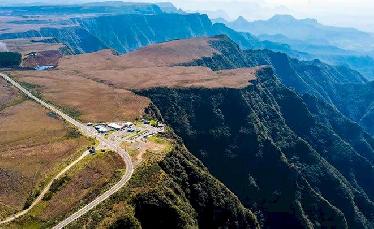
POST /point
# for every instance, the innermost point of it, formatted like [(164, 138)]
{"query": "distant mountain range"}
[(125, 32), (109, 7), (307, 30), (334, 45), (294, 148)]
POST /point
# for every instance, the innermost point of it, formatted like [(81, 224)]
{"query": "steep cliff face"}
[(75, 38), (341, 87), (211, 204), (357, 102), (289, 163), (128, 32), (109, 7), (125, 33)]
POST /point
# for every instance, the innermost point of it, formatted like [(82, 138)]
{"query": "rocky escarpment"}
[(341, 87), (128, 32), (208, 204), (110, 7), (277, 151), (125, 33), (75, 38)]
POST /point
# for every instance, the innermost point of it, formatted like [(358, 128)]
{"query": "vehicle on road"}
[(92, 150)]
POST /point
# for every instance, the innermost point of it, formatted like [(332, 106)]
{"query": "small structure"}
[(131, 129), (89, 124), (43, 67), (102, 129), (128, 124), (115, 126)]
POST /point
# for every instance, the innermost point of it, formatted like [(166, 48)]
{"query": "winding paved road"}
[(89, 133)]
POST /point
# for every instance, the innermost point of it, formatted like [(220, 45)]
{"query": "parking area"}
[(120, 132)]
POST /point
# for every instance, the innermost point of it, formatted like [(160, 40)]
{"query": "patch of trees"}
[(249, 136), (10, 59)]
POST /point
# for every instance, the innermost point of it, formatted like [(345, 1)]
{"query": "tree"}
[(10, 59)]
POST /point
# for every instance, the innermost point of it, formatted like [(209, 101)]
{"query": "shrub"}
[(73, 133), (153, 122)]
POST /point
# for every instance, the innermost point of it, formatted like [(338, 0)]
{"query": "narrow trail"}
[(45, 190), (89, 133)]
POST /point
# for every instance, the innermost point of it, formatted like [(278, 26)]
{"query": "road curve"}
[(89, 133)]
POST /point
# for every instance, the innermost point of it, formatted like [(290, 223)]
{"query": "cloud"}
[(3, 47)]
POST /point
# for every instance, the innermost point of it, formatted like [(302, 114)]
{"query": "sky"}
[(346, 13), (352, 13)]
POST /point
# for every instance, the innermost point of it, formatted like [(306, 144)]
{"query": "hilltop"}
[(115, 76)]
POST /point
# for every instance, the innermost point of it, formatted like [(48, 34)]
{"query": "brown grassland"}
[(8, 95), (15, 24), (90, 177), (26, 46), (33, 147), (94, 101), (99, 84)]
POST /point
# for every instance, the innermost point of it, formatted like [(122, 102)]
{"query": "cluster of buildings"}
[(106, 127), (43, 67)]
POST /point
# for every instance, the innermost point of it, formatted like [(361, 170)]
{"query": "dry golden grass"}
[(32, 145), (99, 84), (169, 53), (86, 182), (154, 66), (176, 77), (8, 26), (164, 54), (154, 149), (95, 101), (8, 94), (25, 46)]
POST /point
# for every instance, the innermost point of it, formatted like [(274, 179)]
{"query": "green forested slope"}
[(276, 155)]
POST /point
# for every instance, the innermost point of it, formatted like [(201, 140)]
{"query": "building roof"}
[(102, 129), (115, 125)]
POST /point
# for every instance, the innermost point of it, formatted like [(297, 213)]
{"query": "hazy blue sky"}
[(355, 13)]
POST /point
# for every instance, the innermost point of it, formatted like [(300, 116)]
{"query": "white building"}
[(102, 129), (115, 126), (128, 124)]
